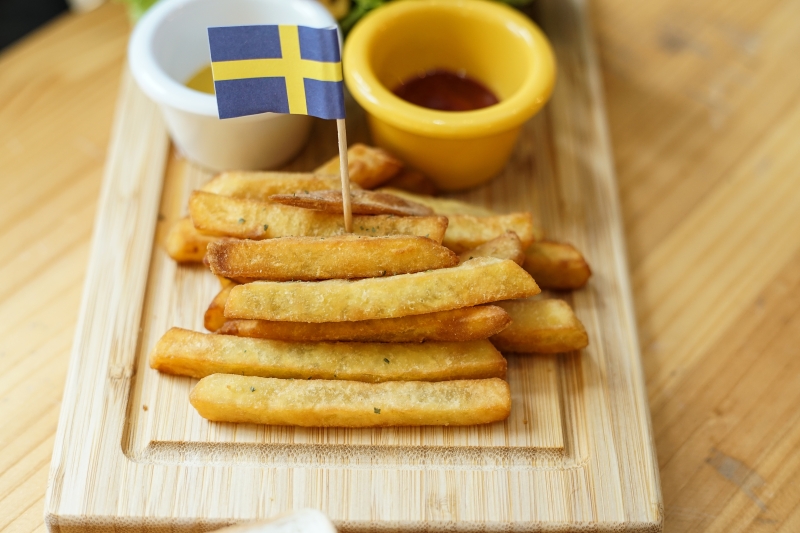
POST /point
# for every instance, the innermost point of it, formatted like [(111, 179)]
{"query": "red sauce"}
[(446, 91)]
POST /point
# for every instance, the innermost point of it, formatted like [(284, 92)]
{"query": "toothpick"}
[(343, 168)]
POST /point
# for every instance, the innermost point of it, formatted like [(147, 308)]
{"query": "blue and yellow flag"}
[(277, 69)]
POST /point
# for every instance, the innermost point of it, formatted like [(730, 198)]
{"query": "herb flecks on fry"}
[(262, 185), (478, 281), (213, 214), (326, 403), (319, 258), (197, 355)]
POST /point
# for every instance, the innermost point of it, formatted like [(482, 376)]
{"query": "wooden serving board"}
[(576, 453)]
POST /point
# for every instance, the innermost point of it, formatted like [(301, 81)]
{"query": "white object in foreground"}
[(302, 521)]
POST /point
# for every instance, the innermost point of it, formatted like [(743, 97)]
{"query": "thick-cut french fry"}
[(465, 232), (189, 353), (249, 219), (214, 317), (481, 280), (414, 181), (472, 225), (541, 326), (506, 246), (262, 185), (456, 325), (361, 203), (332, 403), (556, 265), (317, 258), (185, 244), (367, 166), (441, 206)]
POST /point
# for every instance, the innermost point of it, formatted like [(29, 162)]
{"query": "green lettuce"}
[(358, 9)]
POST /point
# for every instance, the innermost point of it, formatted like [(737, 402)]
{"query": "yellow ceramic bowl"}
[(489, 42)]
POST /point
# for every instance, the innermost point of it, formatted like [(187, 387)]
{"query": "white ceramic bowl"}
[(170, 44)]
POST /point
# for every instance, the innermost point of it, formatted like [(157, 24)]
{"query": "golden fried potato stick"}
[(214, 317), (472, 225), (441, 206), (367, 166), (413, 181), (189, 353), (185, 244), (456, 325), (506, 246), (318, 258), (465, 232), (361, 202), (213, 214), (262, 185), (541, 326), (333, 403), (478, 281), (556, 265)]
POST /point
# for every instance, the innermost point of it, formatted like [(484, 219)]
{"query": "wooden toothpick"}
[(344, 170)]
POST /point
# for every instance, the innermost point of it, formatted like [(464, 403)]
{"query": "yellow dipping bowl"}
[(489, 42)]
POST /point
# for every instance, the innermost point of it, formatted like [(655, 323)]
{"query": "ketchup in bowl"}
[(446, 91)]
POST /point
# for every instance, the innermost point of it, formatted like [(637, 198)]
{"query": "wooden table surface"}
[(704, 111)]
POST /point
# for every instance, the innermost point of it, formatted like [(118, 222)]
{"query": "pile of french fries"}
[(399, 323)]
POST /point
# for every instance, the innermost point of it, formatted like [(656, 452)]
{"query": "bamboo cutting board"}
[(575, 454)]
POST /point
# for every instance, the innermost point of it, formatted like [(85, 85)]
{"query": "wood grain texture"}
[(702, 99), (707, 107), (576, 451)]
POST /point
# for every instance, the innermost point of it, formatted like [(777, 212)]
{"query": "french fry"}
[(262, 185), (185, 244), (506, 246), (329, 403), (473, 225), (556, 265), (214, 317), (318, 258), (213, 214), (414, 181), (441, 206), (189, 353), (456, 325), (478, 281), (367, 166), (541, 326), (361, 203), (465, 232)]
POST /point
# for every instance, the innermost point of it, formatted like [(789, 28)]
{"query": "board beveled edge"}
[(122, 242), (572, 18)]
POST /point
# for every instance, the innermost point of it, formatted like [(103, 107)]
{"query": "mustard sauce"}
[(202, 81)]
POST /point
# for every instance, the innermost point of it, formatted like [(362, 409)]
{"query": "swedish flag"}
[(278, 69)]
